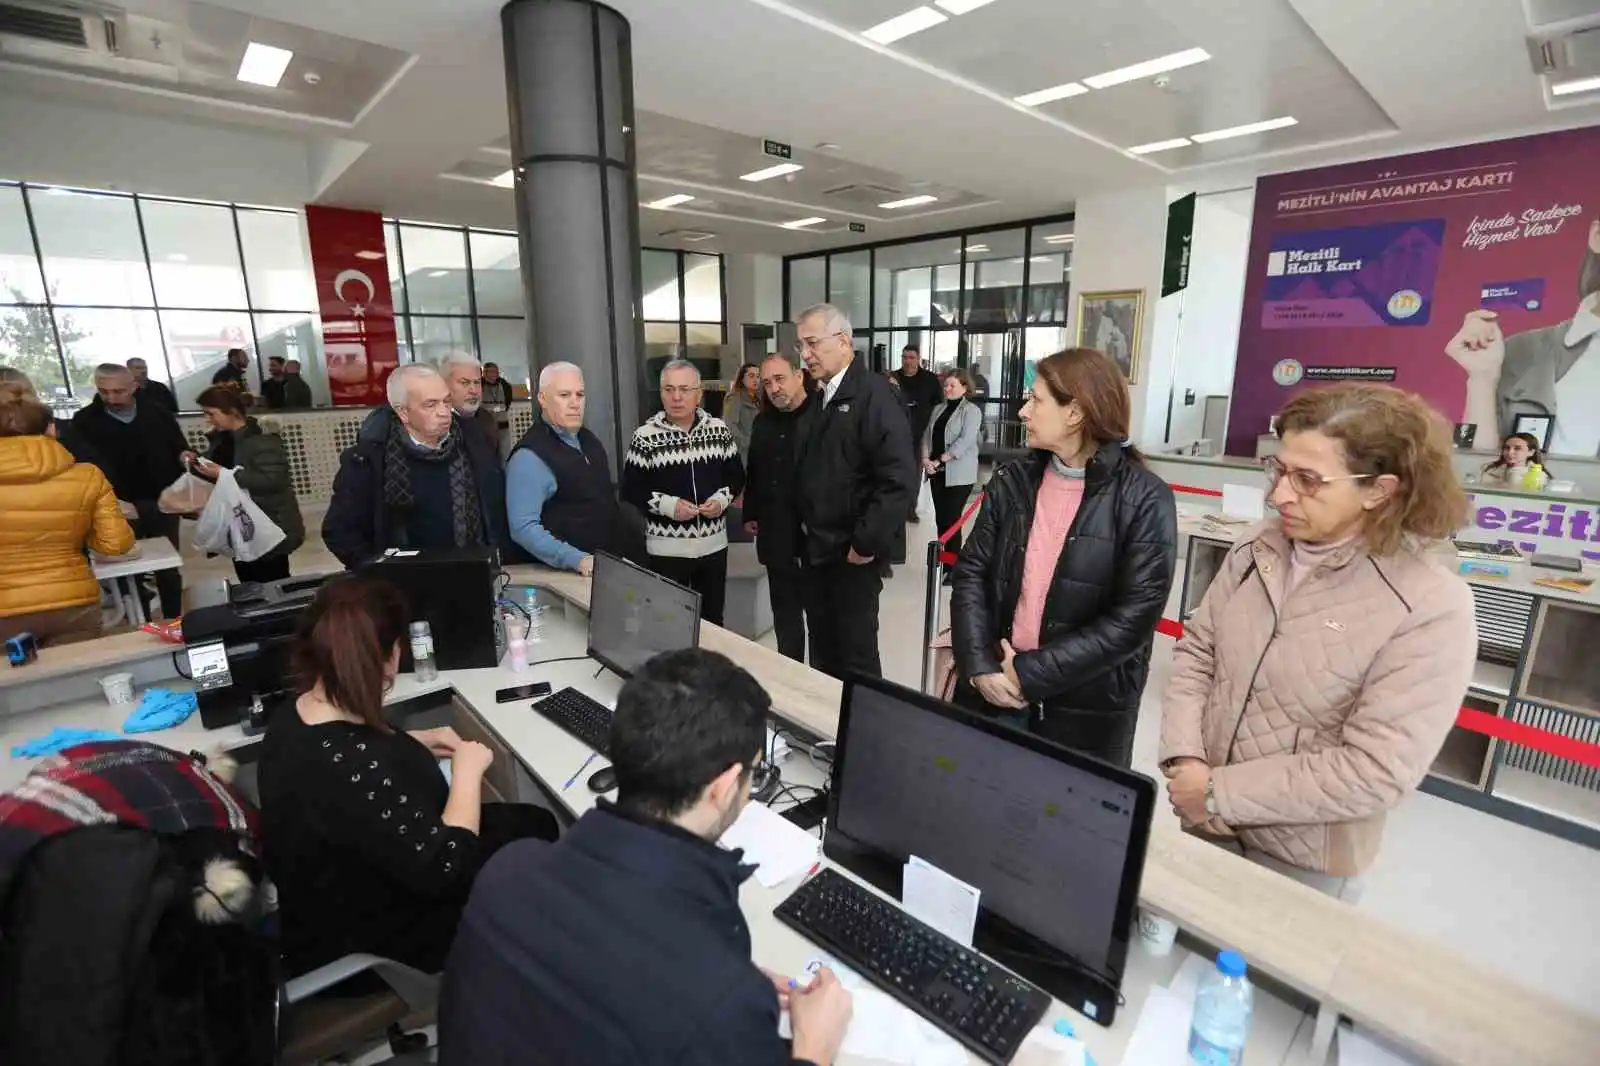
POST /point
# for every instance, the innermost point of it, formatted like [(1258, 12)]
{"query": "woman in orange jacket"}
[(50, 510)]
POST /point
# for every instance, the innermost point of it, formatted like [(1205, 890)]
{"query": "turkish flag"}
[(353, 298)]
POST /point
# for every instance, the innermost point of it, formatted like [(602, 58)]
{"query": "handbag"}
[(232, 524)]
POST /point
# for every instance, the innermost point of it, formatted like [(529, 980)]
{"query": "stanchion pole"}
[(930, 611)]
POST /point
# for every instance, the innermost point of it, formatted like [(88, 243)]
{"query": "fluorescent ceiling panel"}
[(909, 201), (1061, 238), (1149, 68), (508, 180), (914, 21), (771, 172), (1055, 92), (961, 7), (263, 64), (802, 223), (1245, 131), (1578, 85), (670, 201), (1160, 146)]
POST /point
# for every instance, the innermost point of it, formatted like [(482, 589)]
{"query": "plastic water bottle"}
[(530, 603), (1222, 1006), (423, 662)]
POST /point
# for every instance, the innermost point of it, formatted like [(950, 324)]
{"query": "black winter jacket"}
[(139, 458), (770, 484), (857, 475), (1111, 584)]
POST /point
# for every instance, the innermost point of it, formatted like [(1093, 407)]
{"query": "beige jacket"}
[(1322, 709)]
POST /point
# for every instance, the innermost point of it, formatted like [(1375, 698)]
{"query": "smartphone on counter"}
[(523, 692)]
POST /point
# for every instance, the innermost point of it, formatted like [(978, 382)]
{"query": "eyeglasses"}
[(1305, 483), (813, 343), (679, 390)]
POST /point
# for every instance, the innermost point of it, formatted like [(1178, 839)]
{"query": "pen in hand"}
[(593, 755)]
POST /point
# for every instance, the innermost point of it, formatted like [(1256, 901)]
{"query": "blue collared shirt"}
[(529, 486)]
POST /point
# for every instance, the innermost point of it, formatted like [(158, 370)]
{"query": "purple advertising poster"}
[(1469, 275)]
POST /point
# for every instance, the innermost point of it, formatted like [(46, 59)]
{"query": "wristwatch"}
[(1211, 799)]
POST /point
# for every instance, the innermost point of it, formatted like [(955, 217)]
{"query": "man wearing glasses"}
[(683, 470), (856, 484)]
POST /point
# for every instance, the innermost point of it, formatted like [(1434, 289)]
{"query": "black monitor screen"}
[(1055, 841), (635, 615)]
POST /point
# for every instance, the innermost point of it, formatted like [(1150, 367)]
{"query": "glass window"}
[(91, 246), (296, 336), (1050, 273), (504, 341), (659, 278), (704, 332), (945, 302), (994, 278), (496, 273), (397, 281), (277, 260), (197, 347), (436, 270), (433, 337), (702, 289), (849, 282), (95, 336), (904, 280), (20, 281), (194, 254), (28, 343), (806, 283), (662, 333)]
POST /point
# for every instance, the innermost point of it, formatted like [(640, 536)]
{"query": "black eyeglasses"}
[(1305, 483)]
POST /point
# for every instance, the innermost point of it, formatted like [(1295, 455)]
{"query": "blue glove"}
[(58, 738), (160, 708)]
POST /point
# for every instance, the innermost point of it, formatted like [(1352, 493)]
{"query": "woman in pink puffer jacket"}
[(1316, 683)]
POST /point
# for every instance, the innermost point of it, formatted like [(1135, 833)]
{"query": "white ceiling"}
[(932, 112)]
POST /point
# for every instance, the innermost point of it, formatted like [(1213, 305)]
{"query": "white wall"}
[(1121, 237), (755, 292)]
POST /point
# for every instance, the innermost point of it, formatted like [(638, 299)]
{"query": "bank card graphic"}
[(1525, 295), (1380, 275)]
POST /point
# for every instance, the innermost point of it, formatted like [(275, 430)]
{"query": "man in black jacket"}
[(771, 500), (921, 392), (624, 944), (272, 385), (296, 393), (417, 477), (154, 391), (857, 483), (140, 447)]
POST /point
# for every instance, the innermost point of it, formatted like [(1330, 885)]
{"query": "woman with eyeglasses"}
[(1316, 683)]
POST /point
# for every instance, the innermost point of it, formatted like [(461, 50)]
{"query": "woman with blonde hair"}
[(1316, 683)]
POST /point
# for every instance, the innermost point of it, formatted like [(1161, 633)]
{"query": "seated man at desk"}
[(624, 944)]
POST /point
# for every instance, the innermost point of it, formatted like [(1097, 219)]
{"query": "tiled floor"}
[(1505, 895)]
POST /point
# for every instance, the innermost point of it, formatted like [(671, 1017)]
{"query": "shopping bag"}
[(233, 525), (187, 495)]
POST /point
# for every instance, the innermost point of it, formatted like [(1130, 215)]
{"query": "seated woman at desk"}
[(371, 848), (260, 466), (1519, 454), (51, 509), (1316, 683), (1059, 588)]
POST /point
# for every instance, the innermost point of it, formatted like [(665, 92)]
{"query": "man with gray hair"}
[(417, 477), (683, 471), (464, 374), (857, 481)]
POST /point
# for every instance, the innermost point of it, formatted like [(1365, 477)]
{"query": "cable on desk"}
[(179, 669), (562, 659)]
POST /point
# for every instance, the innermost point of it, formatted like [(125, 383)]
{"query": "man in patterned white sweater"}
[(682, 470)]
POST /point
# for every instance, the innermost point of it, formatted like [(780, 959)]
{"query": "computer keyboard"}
[(587, 719), (986, 1008)]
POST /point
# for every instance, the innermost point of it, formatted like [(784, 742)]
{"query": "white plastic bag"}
[(233, 525), (187, 495)]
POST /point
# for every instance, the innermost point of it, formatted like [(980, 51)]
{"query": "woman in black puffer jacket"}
[(1061, 584)]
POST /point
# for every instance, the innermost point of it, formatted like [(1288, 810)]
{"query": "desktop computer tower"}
[(454, 589)]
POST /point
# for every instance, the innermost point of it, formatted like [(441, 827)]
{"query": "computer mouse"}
[(603, 780)]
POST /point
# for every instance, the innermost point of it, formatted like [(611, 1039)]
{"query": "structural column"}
[(569, 87)]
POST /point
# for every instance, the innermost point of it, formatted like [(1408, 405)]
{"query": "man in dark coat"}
[(771, 499)]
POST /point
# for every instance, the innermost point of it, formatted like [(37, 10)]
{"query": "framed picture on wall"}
[(1112, 322), (1538, 426)]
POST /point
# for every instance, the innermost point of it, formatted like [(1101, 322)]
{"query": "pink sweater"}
[(1057, 505)]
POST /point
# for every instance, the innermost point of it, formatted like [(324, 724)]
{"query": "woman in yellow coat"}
[(51, 509)]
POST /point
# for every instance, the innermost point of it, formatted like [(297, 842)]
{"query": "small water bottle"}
[(424, 665), (1222, 1006), (517, 655), (530, 603)]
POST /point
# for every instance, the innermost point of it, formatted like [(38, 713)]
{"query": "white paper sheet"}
[(777, 847), (1357, 1048), (881, 1030), (1244, 501), (1161, 1035), (930, 895)]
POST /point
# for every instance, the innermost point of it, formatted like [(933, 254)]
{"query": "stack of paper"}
[(777, 847), (881, 1030)]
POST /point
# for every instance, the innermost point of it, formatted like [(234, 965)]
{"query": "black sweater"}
[(139, 458)]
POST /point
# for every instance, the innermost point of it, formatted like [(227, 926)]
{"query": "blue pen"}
[(593, 755)]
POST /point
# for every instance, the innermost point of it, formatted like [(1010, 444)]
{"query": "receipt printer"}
[(239, 651)]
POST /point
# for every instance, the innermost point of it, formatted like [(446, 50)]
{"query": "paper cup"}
[(117, 687), (1156, 933)]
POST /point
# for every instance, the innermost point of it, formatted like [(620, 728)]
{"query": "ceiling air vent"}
[(39, 26), (688, 235), (864, 193)]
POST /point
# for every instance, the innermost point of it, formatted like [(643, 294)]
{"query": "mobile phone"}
[(523, 692)]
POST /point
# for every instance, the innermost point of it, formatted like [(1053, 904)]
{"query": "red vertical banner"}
[(353, 298)]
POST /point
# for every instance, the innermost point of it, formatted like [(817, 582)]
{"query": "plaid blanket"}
[(117, 782)]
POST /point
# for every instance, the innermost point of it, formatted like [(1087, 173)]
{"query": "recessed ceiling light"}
[(369, 254), (914, 21), (909, 201), (1244, 131), (771, 172), (1055, 92), (961, 7), (508, 180), (178, 257), (1149, 68), (802, 223), (1044, 259), (1061, 238), (827, 146), (1578, 85), (263, 64), (437, 273), (977, 247), (670, 201), (1160, 146)]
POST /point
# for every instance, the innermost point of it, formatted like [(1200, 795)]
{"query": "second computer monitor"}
[(635, 615)]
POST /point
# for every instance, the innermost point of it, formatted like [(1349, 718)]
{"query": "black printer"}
[(238, 651)]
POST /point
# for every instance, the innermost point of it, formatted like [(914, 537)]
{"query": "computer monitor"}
[(635, 615), (1053, 839)]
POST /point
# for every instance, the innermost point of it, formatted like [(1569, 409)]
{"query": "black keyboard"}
[(588, 720), (988, 1009)]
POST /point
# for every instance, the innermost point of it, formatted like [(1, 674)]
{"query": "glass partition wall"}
[(89, 277), (993, 302)]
